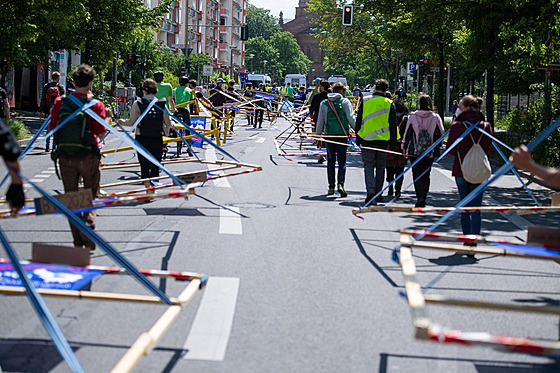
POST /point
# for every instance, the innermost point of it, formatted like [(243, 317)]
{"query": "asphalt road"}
[(297, 283)]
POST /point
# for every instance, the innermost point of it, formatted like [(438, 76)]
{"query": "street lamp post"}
[(264, 63), (251, 55), (232, 48)]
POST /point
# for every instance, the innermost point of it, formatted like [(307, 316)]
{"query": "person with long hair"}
[(424, 127), (470, 111)]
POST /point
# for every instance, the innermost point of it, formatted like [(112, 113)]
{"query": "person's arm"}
[(134, 115), (6, 108), (61, 90), (321, 119), (393, 127), (359, 117), (167, 126), (522, 159), (349, 111)]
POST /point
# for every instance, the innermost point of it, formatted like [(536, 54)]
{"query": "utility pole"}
[(448, 93)]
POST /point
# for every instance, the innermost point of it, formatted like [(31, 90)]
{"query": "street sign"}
[(207, 70), (411, 66)]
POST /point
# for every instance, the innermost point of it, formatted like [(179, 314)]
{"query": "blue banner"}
[(49, 276)]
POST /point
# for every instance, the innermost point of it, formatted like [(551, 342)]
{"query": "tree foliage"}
[(268, 43), (99, 28), (261, 23)]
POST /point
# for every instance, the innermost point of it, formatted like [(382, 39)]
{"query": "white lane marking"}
[(36, 180), (42, 176), (48, 172), (515, 219), (249, 149), (210, 155), (51, 168), (260, 140), (230, 221), (211, 328)]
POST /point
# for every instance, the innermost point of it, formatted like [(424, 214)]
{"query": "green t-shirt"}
[(182, 94), (290, 92), (165, 90)]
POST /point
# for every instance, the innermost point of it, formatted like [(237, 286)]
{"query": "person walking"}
[(423, 128), (470, 110), (396, 162), (10, 152), (376, 127), (454, 110), (77, 144), (324, 90), (164, 90), (334, 121), (151, 129), (51, 91), (182, 95)]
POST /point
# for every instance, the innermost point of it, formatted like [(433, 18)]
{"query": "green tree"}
[(292, 60), (261, 23), (262, 50)]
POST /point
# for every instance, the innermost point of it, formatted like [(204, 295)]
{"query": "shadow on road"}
[(481, 366)]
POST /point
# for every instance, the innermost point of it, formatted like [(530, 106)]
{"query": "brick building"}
[(303, 29)]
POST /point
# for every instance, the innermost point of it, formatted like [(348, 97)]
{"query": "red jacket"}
[(463, 147)]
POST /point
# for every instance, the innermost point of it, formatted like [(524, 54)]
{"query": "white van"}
[(337, 78), (257, 79), (296, 79)]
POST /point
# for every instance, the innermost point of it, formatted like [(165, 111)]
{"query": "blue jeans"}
[(336, 153), (374, 169), (471, 222)]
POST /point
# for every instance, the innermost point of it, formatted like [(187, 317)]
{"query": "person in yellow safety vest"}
[(376, 127), (283, 89)]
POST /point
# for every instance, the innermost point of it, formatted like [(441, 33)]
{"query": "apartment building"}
[(212, 27)]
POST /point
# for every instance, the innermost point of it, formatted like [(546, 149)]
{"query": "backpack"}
[(52, 94), (423, 143), (74, 139), (337, 123), (475, 165), (152, 123)]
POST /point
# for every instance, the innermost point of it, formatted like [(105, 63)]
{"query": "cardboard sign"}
[(543, 235), (49, 276), (555, 199), (54, 254), (194, 177), (74, 200)]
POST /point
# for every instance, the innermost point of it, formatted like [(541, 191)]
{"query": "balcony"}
[(224, 11), (223, 46)]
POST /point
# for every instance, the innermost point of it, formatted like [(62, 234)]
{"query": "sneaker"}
[(379, 199), (330, 192), (321, 160), (390, 192), (341, 190), (420, 203), (47, 149), (369, 199)]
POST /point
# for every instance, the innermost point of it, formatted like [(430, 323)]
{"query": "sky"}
[(275, 6)]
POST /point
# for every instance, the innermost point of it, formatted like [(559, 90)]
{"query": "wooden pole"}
[(147, 341), (95, 295)]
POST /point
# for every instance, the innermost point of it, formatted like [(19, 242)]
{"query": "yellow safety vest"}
[(284, 90), (375, 119)]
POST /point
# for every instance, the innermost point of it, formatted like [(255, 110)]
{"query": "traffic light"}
[(129, 62), (244, 33), (347, 14), (425, 62)]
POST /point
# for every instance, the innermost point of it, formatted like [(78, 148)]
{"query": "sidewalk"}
[(31, 120)]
